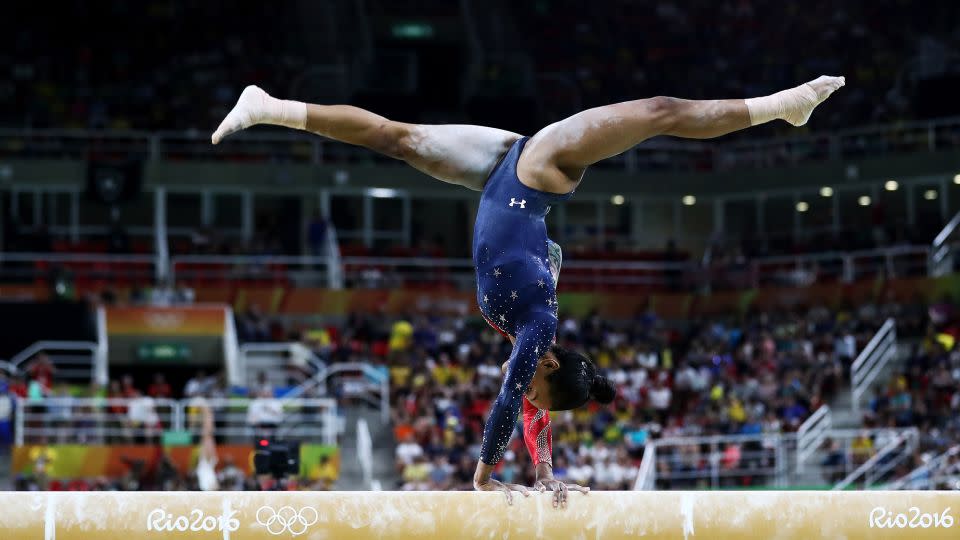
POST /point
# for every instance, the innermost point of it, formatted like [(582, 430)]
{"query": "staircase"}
[(384, 446)]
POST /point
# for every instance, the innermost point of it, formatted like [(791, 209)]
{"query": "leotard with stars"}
[(515, 288)]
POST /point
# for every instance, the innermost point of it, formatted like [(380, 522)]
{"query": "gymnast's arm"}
[(534, 338)]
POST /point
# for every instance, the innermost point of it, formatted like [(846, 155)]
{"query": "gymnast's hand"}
[(483, 482), (559, 490), (546, 482)]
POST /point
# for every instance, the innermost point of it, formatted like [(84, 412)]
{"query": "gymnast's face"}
[(538, 393)]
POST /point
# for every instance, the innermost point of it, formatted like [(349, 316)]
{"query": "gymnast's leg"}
[(555, 158), (458, 154)]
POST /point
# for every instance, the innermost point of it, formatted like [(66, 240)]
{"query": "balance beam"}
[(452, 515)]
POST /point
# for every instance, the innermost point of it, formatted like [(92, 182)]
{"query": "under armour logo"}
[(522, 203)]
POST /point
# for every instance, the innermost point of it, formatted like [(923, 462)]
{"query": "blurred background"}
[(777, 307)]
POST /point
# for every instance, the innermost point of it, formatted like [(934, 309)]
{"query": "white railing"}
[(769, 459), (65, 419), (931, 473), (365, 455), (355, 380), (293, 147), (871, 361), (86, 266), (75, 361), (759, 456), (312, 419), (306, 270), (941, 252), (460, 274), (805, 269), (873, 471), (62, 419), (278, 361), (647, 473), (811, 434)]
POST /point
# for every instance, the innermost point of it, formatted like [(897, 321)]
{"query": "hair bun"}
[(602, 390)]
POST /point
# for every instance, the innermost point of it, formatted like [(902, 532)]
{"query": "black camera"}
[(276, 459)]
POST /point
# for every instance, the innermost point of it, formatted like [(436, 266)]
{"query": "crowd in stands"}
[(763, 374), (188, 68), (739, 48), (758, 373)]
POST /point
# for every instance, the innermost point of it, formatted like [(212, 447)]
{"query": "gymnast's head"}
[(566, 380)]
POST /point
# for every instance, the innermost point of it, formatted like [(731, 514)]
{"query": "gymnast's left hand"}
[(483, 482), (495, 485)]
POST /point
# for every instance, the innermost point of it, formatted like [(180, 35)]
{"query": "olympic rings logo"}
[(287, 519)]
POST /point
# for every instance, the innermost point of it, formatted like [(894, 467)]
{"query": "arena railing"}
[(351, 380), (846, 267), (871, 361), (65, 419), (302, 419), (765, 459), (365, 455), (932, 473), (70, 420), (811, 434), (293, 147), (872, 473), (279, 362), (460, 273), (74, 361), (86, 267), (304, 271), (941, 251)]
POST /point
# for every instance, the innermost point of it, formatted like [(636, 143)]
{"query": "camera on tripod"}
[(277, 459)]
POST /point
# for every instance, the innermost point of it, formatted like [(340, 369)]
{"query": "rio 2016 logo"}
[(163, 521), (286, 519)]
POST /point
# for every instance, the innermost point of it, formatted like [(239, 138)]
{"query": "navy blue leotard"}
[(515, 289)]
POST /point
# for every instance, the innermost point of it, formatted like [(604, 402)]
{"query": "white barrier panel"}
[(444, 515)]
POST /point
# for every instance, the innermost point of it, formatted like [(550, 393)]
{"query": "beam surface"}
[(451, 515)]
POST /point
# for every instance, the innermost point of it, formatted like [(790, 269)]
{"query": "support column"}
[(246, 225), (160, 233)]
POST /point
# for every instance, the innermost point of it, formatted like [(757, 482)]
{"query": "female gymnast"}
[(520, 179)]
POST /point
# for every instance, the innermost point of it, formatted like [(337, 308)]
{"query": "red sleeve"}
[(536, 433)]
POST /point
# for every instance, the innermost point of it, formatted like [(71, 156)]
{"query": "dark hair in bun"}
[(576, 381), (602, 390)]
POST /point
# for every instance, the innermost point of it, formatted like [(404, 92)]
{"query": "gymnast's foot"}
[(257, 107), (794, 105)]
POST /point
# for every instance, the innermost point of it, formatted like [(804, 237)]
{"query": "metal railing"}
[(811, 434), (365, 455), (460, 274), (100, 267), (62, 419), (647, 473), (873, 471), (352, 380), (302, 419), (846, 267), (931, 474), (293, 147), (941, 251), (303, 271), (74, 361), (871, 361), (65, 419), (289, 365), (695, 462), (767, 459)]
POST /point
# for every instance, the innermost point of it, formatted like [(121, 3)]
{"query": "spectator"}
[(265, 414), (159, 389)]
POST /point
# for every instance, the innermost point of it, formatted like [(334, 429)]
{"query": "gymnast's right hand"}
[(483, 482)]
